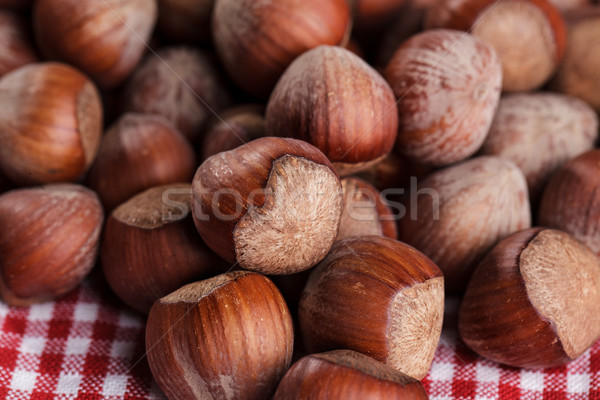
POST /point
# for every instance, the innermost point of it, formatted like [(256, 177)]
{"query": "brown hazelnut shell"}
[(379, 297), (571, 200), (257, 41), (138, 152), (539, 132), (229, 337), (182, 84), (536, 25), (533, 301), (234, 127), (105, 39), (50, 123), (577, 75), (150, 247), (346, 374), (456, 215), (334, 100), (448, 86), (48, 242), (273, 205)]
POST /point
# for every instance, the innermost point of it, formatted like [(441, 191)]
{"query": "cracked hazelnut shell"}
[(272, 205)]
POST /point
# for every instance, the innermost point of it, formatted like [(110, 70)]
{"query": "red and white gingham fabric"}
[(89, 346)]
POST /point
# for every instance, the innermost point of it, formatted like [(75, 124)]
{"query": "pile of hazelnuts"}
[(304, 180)]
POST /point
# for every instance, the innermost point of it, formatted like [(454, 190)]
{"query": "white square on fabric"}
[(23, 380), (85, 312), (578, 383), (441, 372), (486, 373), (532, 380), (32, 345), (114, 385), (41, 312), (68, 383), (77, 346)]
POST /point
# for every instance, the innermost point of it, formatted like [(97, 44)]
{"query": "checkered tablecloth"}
[(89, 346)]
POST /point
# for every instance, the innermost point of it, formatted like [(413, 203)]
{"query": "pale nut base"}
[(298, 222)]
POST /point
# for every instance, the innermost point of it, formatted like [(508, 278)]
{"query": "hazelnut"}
[(272, 205), (182, 84), (234, 127), (185, 20), (346, 374), (151, 247), (365, 212), (258, 40), (16, 49), (539, 132), (570, 200), (138, 152), (448, 87), (379, 297), (50, 123), (49, 241), (229, 337), (528, 35), (456, 215), (578, 72), (105, 39), (533, 301), (334, 100)]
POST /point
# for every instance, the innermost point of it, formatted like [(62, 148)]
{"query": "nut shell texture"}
[(571, 200), (458, 214), (337, 102), (345, 374), (257, 40), (50, 123), (273, 205), (150, 247), (105, 39), (379, 297), (539, 132), (229, 337), (529, 36), (448, 87), (533, 301), (49, 239)]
